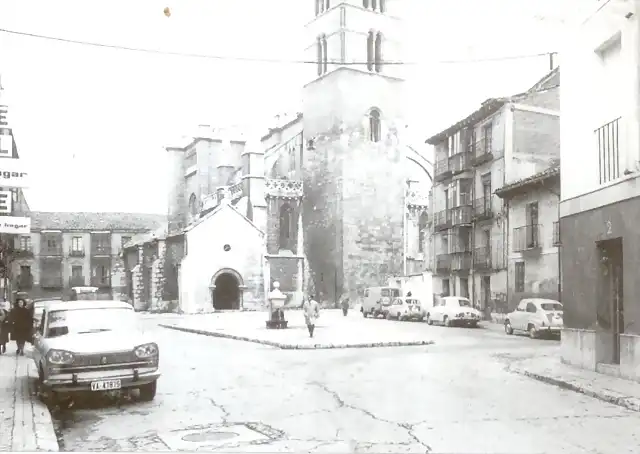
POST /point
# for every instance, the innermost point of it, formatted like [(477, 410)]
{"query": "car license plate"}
[(106, 385)]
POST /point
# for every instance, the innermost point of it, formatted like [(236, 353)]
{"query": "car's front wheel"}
[(148, 391), (508, 328)]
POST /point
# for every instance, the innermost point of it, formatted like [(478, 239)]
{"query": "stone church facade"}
[(320, 201)]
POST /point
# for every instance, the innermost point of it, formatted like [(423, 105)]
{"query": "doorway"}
[(485, 291), (610, 311), (226, 292)]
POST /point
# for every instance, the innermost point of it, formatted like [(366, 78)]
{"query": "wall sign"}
[(6, 202), (13, 174), (15, 225), (6, 145)]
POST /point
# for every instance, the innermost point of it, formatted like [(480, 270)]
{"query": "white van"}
[(376, 300)]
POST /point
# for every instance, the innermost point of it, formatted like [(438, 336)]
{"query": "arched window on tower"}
[(382, 6), (378, 52), (318, 3), (374, 5), (286, 227), (319, 55), (324, 54), (193, 207), (370, 51), (321, 44), (327, 5), (422, 231), (365, 3), (375, 125)]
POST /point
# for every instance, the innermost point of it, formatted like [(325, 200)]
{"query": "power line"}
[(259, 60)]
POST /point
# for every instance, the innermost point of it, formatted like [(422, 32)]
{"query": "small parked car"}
[(454, 311), (405, 308), (84, 294), (94, 346), (537, 316)]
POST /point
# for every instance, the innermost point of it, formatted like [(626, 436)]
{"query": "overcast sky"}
[(91, 122)]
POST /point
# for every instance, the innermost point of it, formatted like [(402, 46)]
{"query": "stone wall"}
[(157, 276)]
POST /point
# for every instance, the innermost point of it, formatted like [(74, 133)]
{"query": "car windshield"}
[(462, 302), (390, 292), (81, 321), (551, 306)]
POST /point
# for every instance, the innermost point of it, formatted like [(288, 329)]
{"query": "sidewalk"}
[(26, 423), (549, 369), (333, 330)]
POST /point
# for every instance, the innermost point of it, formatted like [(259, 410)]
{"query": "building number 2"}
[(609, 229)]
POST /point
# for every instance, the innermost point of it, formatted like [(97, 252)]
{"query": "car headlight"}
[(146, 351), (60, 357)]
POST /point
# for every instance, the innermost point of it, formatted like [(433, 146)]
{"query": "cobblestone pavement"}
[(454, 396), (25, 422)]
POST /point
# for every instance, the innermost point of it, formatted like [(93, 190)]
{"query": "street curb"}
[(296, 347), (630, 403), (44, 431)]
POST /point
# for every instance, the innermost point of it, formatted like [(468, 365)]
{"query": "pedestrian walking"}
[(5, 328), (311, 310), (345, 305), (22, 325)]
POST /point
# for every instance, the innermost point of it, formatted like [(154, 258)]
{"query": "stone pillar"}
[(157, 277), (119, 281), (138, 288), (267, 279), (300, 248)]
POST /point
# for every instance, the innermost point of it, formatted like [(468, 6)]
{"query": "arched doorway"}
[(226, 290)]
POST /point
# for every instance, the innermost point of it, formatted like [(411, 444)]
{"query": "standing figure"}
[(311, 310), (345, 306), (5, 328), (22, 325)]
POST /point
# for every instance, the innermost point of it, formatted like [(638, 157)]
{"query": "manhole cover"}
[(210, 435)]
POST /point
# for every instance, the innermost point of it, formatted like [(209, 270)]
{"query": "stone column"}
[(157, 277)]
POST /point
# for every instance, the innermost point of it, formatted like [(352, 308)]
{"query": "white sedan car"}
[(94, 346), (537, 316), (453, 311), (405, 309)]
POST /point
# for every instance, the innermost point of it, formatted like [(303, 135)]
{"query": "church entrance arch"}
[(226, 290)]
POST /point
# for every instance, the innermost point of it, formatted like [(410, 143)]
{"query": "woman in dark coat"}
[(22, 324), (5, 329)]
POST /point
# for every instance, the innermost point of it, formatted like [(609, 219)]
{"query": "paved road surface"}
[(455, 396)]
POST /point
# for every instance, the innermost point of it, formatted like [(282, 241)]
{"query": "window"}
[(25, 243), (531, 229), (76, 244), (374, 51), (322, 55), (76, 271), (193, 205), (422, 231), (378, 52), (52, 243), (445, 287), (370, 51), (464, 288), (531, 308), (519, 277), (101, 274), (375, 125), (124, 240), (374, 5), (25, 270), (365, 3), (286, 226)]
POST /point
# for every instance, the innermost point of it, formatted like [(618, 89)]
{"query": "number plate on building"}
[(106, 385)]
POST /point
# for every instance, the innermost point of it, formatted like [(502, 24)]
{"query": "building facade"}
[(600, 202), (505, 141), (323, 197), (67, 250)]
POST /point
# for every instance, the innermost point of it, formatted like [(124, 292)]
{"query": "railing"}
[(482, 258), (443, 263), (482, 151), (25, 282), (461, 262), (51, 282), (100, 249), (22, 252), (441, 169), (236, 191), (608, 143), (101, 282), (526, 237), (442, 220), (463, 200), (556, 234), (461, 215), (51, 252), (77, 281), (482, 208), (460, 162), (76, 252)]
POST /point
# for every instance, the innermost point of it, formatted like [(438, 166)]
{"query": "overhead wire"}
[(263, 60)]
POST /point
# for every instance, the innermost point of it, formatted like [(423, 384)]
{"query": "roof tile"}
[(128, 222)]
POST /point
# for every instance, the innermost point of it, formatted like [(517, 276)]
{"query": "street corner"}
[(552, 371)]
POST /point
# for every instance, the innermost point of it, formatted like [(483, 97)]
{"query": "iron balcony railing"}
[(100, 249), (442, 220), (442, 169), (22, 252), (526, 237), (482, 258), (482, 208), (77, 281), (461, 215), (54, 282), (608, 142), (443, 263), (76, 252), (556, 234), (464, 199), (461, 262), (460, 162), (482, 151), (51, 251), (100, 282)]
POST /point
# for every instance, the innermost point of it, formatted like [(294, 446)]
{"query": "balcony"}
[(100, 249), (556, 234), (50, 282), (22, 252), (482, 209), (482, 151), (76, 252), (461, 216), (25, 282), (442, 171), (527, 238), (482, 258), (442, 220), (608, 142), (461, 261), (460, 162), (443, 264), (77, 281), (101, 282), (51, 251)]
